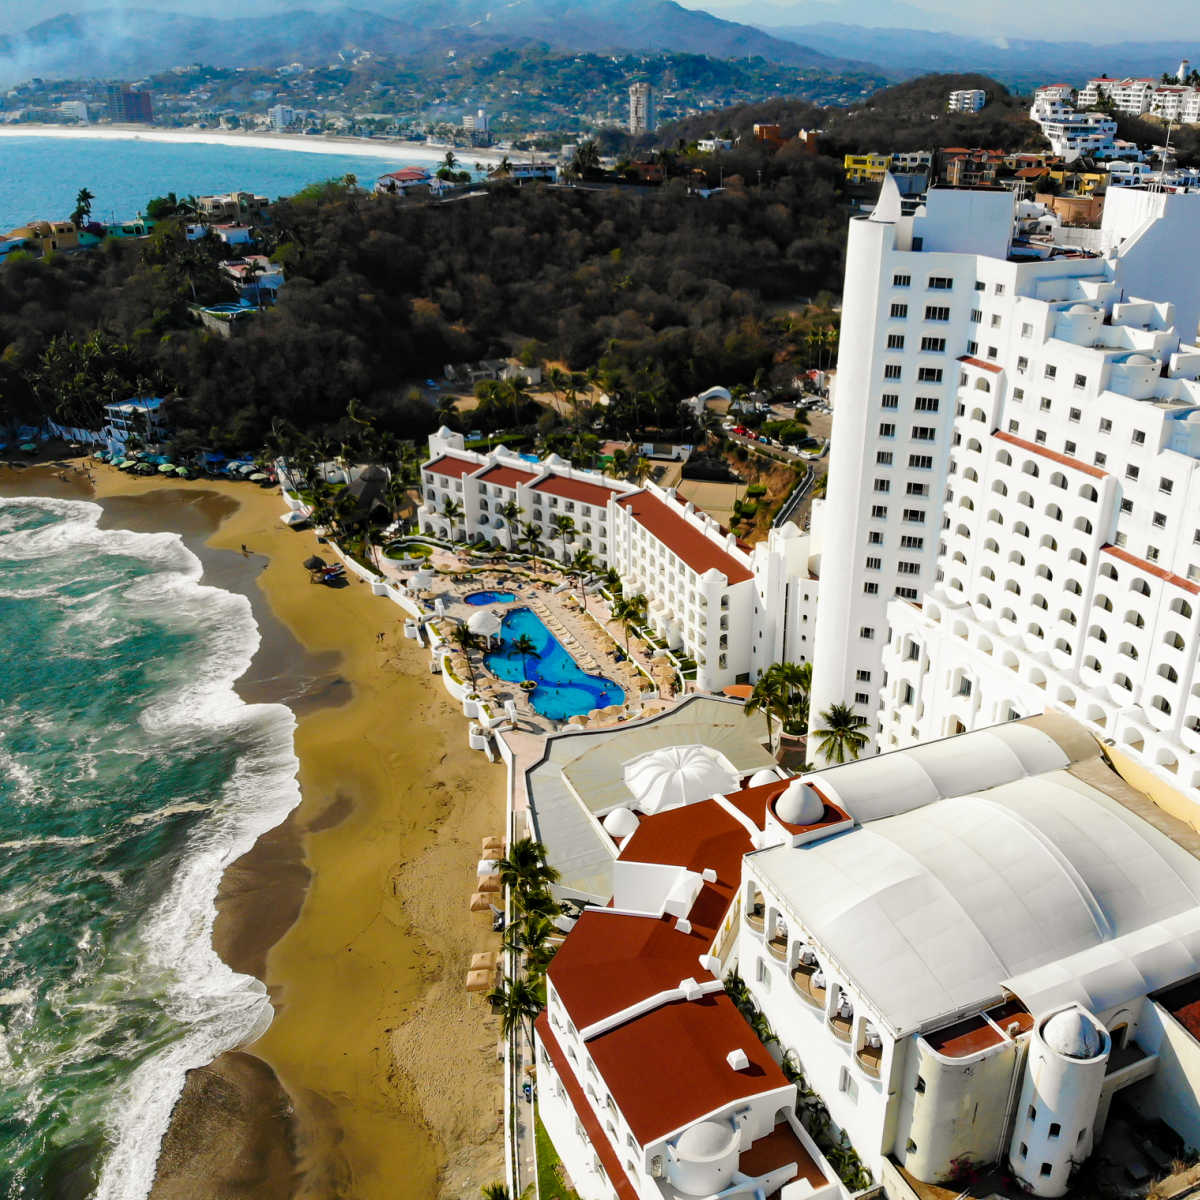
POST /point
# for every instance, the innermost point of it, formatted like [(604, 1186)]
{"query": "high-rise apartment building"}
[(1015, 477), (127, 107), (642, 117), (966, 100)]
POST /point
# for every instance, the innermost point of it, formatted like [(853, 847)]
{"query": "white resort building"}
[(1070, 132), (733, 610), (1014, 482), (968, 948)]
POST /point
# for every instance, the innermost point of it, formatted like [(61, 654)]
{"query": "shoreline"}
[(378, 1075), (295, 142)]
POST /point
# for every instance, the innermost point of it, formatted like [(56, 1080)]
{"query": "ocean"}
[(131, 774), (41, 176)]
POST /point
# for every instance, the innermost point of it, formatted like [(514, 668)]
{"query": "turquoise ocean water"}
[(40, 177), (131, 774)]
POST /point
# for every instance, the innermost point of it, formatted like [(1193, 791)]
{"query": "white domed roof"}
[(799, 804), (1081, 308), (1140, 360), (705, 1141), (621, 822), (673, 776), (1072, 1034), (485, 623), (766, 775)]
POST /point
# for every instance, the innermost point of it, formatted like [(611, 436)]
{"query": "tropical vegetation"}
[(844, 734)]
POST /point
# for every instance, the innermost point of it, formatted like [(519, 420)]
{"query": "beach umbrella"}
[(480, 902), (480, 981), (127, 464), (485, 960), (315, 563), (183, 472), (166, 468), (293, 518), (257, 477)]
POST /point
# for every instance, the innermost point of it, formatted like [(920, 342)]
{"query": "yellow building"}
[(1083, 183), (866, 168), (47, 235)]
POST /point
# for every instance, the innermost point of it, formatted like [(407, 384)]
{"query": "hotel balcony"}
[(841, 1026), (756, 915), (778, 945), (812, 993), (868, 1058)]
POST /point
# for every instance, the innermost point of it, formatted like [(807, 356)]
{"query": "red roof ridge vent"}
[(1151, 569), (971, 361), (1053, 455)]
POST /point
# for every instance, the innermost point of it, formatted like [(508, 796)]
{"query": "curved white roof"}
[(673, 776), (1072, 1034), (936, 908), (485, 623), (799, 804)]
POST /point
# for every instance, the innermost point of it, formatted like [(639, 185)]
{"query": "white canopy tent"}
[(485, 623), (675, 776)]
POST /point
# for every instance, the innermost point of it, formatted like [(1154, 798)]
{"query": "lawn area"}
[(550, 1169)]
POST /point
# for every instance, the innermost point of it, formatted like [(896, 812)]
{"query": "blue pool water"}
[(563, 689), (479, 599)]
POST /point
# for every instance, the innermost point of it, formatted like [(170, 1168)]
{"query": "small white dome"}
[(799, 805), (1073, 1035), (766, 775), (674, 776), (705, 1141), (485, 623), (621, 822), (1140, 360), (1080, 309)]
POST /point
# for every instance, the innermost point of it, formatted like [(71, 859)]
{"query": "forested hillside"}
[(663, 293)]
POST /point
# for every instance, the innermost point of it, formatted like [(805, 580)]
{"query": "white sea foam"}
[(216, 1008)]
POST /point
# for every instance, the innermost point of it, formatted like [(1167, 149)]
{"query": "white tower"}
[(1068, 1055), (1182, 73)]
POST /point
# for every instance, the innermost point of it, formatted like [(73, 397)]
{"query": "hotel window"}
[(1166, 485), (1105, 425), (895, 341), (870, 588), (929, 374), (908, 568), (936, 312), (1100, 458), (879, 512), (883, 458), (907, 542), (861, 698), (917, 489), (907, 696), (1022, 365), (1050, 371), (1160, 520), (976, 316), (979, 285), (1040, 437), (1027, 330), (890, 400), (1046, 1169), (901, 280), (921, 462), (887, 430), (926, 404), (1045, 404), (1132, 472), (1068, 447), (993, 352), (899, 312), (932, 345), (875, 538), (1018, 395), (924, 433), (995, 320), (891, 371), (906, 593), (883, 485), (1139, 437), (972, 349), (914, 516), (862, 676), (999, 289), (1081, 381), (940, 283), (866, 632), (1152, 553), (873, 564), (848, 1085), (1013, 426)]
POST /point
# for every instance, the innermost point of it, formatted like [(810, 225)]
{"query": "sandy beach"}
[(379, 1075), (392, 149)]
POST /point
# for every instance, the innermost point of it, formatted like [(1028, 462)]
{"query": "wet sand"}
[(379, 1075)]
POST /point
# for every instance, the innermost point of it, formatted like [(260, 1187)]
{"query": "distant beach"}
[(322, 144)]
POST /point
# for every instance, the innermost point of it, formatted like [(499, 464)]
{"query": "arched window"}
[(1021, 529), (1078, 556), (1135, 619), (977, 414), (1140, 586), (1029, 467), (1015, 556), (1097, 632), (1039, 601), (1081, 523), (1091, 663), (959, 557), (1129, 650), (1004, 457), (971, 474), (1044, 572), (1035, 630), (1174, 641), (995, 517), (1054, 512), (1123, 682), (973, 444), (1074, 587), (1105, 603), (982, 385), (1013, 586), (1025, 499), (1063, 646), (967, 503), (992, 545), (1160, 702), (983, 601), (1108, 571), (1067, 617), (1058, 480), (1087, 492), (988, 573), (1182, 607), (999, 487), (1169, 673)]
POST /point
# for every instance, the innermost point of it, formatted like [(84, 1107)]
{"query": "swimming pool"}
[(479, 599), (563, 689)]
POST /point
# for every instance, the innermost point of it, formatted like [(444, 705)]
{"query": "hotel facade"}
[(1013, 485)]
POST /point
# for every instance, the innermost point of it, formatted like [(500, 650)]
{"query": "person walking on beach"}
[(245, 552)]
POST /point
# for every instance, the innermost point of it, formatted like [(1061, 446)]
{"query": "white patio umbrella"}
[(485, 623)]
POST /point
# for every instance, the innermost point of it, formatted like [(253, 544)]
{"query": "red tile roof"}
[(576, 489), (667, 1069), (1052, 455), (456, 468), (610, 961), (682, 537), (1151, 569), (507, 477), (586, 1113), (978, 362)]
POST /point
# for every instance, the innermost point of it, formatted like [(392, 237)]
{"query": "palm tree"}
[(531, 936), (525, 647), (558, 382), (83, 207), (519, 1001), (516, 391), (843, 733), (768, 698), (524, 869), (630, 611), (452, 510), (563, 525), (531, 539), (449, 162), (510, 510), (466, 641), (585, 564), (586, 159), (796, 682)]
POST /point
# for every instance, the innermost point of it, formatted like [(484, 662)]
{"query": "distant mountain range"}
[(1018, 63), (133, 42)]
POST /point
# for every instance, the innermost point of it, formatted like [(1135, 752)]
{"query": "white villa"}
[(969, 948), (731, 609)]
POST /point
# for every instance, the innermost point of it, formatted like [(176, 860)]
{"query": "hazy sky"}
[(1095, 21)]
